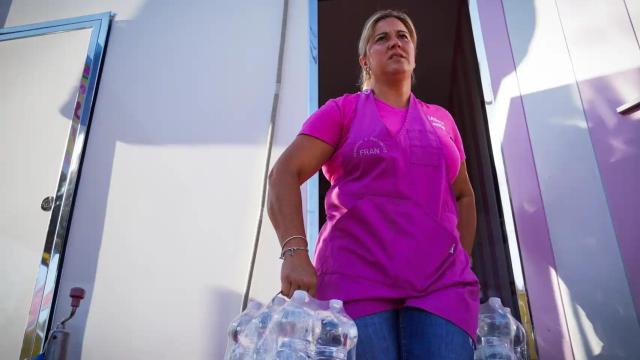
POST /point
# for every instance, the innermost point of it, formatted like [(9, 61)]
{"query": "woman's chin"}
[(398, 73)]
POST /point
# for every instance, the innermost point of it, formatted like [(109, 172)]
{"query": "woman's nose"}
[(394, 42)]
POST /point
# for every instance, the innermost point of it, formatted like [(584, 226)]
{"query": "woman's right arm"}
[(299, 162)]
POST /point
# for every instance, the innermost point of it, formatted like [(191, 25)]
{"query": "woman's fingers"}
[(289, 287), (305, 286), (286, 288)]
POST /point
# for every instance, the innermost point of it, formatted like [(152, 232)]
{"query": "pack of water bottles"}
[(302, 328), (500, 335)]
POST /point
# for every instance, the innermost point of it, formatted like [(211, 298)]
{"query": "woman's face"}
[(390, 52)]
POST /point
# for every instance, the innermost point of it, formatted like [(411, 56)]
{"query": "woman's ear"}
[(363, 61)]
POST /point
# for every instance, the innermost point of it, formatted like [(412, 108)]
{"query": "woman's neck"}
[(395, 94)]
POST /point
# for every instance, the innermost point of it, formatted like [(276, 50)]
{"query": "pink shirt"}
[(330, 120)]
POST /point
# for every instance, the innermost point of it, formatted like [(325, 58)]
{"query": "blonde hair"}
[(367, 34)]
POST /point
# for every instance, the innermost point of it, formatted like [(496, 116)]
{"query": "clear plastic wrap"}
[(302, 328)]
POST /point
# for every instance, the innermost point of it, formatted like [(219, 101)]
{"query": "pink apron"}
[(390, 239)]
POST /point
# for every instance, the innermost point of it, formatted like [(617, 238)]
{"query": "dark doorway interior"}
[(5, 5), (446, 74)]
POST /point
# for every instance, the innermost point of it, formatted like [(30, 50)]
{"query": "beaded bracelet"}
[(291, 251), (293, 237)]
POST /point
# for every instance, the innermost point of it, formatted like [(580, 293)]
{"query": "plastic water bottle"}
[(501, 335), (494, 349), (259, 332), (334, 333), (520, 342), (350, 325), (235, 349), (495, 321), (292, 328)]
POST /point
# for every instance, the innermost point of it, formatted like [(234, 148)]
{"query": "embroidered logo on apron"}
[(436, 122), (369, 147)]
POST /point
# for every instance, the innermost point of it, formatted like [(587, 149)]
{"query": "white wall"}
[(168, 200)]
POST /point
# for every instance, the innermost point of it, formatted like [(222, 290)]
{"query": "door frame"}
[(49, 269), (313, 202)]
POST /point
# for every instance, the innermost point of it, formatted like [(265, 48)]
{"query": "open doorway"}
[(447, 74)]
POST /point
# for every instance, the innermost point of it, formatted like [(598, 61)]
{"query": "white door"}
[(39, 79)]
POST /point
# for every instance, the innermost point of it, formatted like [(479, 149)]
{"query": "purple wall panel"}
[(616, 142), (535, 247)]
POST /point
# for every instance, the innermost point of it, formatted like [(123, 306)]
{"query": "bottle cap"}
[(299, 296), (278, 301), (495, 302), (254, 306), (335, 304)]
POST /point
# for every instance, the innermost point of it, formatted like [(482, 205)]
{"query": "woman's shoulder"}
[(347, 101), (329, 121), (344, 105), (434, 109), (438, 114)]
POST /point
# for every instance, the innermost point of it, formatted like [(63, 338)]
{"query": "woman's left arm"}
[(466, 204)]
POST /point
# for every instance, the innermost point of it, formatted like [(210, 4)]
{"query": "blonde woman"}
[(400, 210)]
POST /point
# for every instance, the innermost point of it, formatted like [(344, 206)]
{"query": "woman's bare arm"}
[(466, 203), (299, 162)]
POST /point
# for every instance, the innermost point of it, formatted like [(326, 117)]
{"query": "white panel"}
[(22, 12), (600, 37), (633, 8), (540, 52), (595, 295), (168, 199), (174, 253), (292, 113), (39, 78)]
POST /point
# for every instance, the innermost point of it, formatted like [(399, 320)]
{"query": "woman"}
[(400, 211)]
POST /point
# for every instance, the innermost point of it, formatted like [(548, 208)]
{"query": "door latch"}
[(47, 203)]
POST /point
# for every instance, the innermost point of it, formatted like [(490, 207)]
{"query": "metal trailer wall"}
[(168, 201), (559, 69)]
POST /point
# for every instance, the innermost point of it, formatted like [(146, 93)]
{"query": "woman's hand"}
[(298, 273)]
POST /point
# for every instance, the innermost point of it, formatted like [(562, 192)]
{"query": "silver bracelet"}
[(293, 237), (291, 250)]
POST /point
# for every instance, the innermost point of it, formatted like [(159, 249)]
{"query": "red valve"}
[(76, 294)]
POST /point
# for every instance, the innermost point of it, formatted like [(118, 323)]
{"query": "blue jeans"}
[(411, 334)]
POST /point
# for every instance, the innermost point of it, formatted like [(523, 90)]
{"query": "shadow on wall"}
[(162, 85), (616, 143), (591, 309), (224, 312)]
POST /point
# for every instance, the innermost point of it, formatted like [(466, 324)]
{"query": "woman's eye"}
[(403, 36), (378, 39)]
